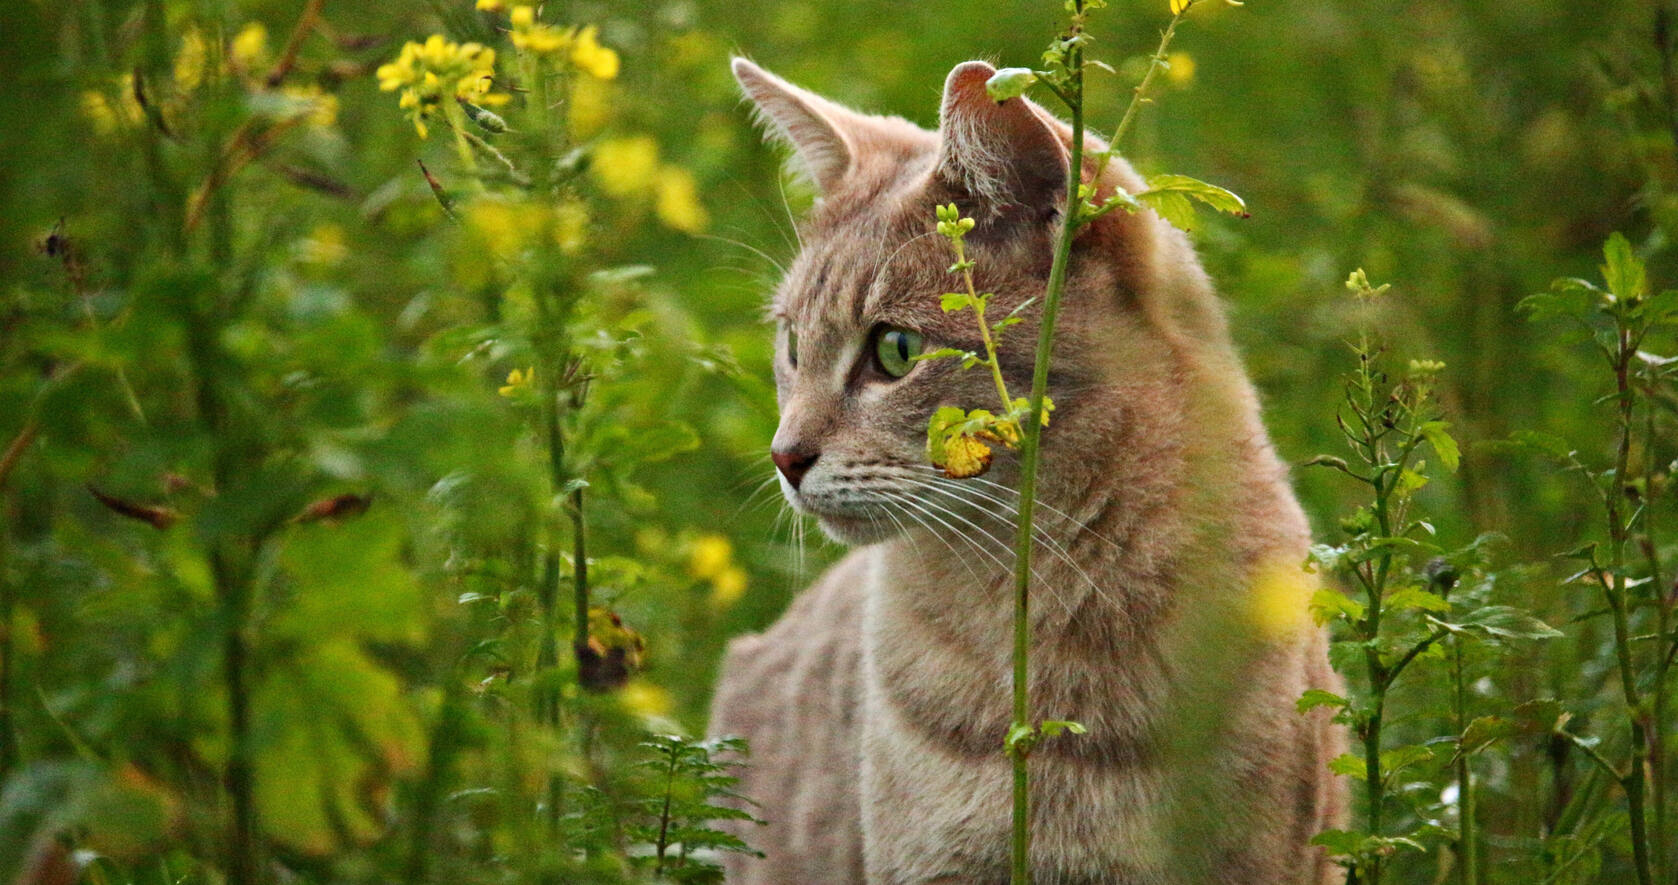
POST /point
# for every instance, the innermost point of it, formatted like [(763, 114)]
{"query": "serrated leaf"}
[(1623, 270), (1174, 207), (954, 301), (1341, 843), (1328, 603), (1349, 765), (1415, 598), (1435, 434), (1500, 622), (1221, 199), (1316, 697), (1483, 732)]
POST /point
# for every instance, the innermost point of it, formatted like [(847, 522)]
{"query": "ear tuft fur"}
[(1006, 154), (812, 125)]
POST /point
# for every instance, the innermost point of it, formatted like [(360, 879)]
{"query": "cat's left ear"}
[(1006, 154)]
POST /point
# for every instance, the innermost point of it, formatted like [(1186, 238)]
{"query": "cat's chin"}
[(856, 532)]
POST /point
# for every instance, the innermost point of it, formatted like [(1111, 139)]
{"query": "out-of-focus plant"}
[(1406, 610), (1628, 325)]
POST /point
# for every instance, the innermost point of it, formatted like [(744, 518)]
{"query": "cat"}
[(1168, 601)]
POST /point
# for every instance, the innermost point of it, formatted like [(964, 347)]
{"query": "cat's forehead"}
[(866, 267)]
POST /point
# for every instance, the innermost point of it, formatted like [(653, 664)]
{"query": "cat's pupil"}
[(902, 346)]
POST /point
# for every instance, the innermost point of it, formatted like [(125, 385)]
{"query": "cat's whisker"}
[(932, 508), (781, 186), (904, 501), (748, 247), (1040, 533), (1039, 503)]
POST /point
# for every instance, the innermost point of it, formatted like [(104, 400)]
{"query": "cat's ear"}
[(812, 125), (1007, 154)]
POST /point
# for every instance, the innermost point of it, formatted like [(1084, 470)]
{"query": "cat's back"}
[(793, 691)]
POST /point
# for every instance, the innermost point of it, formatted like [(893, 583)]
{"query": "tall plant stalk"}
[(1070, 89)]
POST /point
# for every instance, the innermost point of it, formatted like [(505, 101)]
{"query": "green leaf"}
[(1415, 598), (1341, 843), (1435, 434), (941, 353), (1218, 198), (1349, 765), (1009, 83), (1055, 727), (1175, 208), (1483, 732), (1623, 270), (1328, 603), (954, 301), (1496, 622), (1399, 758), (1316, 697)]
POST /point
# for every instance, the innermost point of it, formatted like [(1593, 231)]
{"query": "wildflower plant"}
[(1403, 610), (960, 440)]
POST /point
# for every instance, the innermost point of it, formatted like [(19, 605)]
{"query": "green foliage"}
[(273, 404), (676, 821)]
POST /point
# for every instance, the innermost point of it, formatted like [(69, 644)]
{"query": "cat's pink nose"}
[(794, 464)]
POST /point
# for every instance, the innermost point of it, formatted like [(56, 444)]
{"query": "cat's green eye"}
[(792, 347), (895, 350)]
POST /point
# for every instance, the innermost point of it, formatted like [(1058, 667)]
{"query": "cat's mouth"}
[(849, 521)]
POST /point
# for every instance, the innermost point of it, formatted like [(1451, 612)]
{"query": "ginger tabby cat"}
[(1168, 601)]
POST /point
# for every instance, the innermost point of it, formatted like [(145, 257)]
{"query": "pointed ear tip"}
[(968, 75), (748, 74)]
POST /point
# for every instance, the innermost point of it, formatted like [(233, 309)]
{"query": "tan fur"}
[(876, 706)]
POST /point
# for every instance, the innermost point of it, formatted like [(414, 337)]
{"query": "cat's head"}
[(863, 295)]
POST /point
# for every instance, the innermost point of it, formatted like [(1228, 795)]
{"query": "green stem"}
[(1467, 850), (984, 327), (1139, 97), (1633, 780), (9, 755), (1030, 446)]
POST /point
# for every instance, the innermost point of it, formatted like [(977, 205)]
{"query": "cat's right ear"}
[(812, 125)]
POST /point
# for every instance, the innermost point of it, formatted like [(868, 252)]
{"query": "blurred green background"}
[(1466, 153)]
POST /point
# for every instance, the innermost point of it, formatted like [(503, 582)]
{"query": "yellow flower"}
[(590, 107), (249, 49), (678, 200), (626, 166), (533, 36), (437, 71), (1426, 368), (645, 699), (1279, 598), (320, 109), (324, 247), (491, 5), (965, 457), (728, 587), (710, 556), (107, 116), (518, 380), (591, 58), (189, 62), (1178, 7), (1180, 68), (570, 227)]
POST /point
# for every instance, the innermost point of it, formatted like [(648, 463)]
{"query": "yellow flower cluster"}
[(517, 381), (629, 168), (712, 559), (582, 45), (438, 70)]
